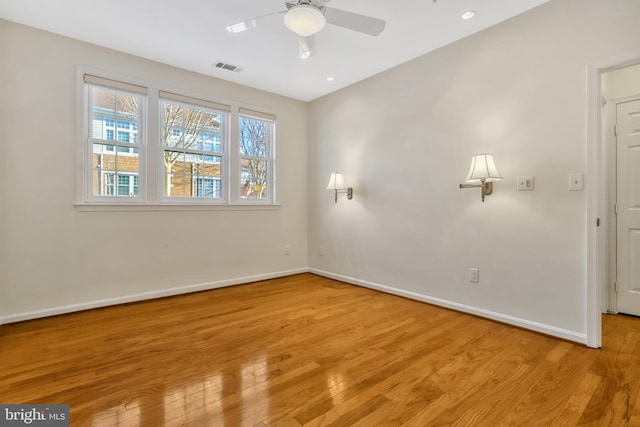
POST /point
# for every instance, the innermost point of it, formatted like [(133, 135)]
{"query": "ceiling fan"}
[(307, 17)]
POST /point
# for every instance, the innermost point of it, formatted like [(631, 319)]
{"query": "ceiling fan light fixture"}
[(304, 20)]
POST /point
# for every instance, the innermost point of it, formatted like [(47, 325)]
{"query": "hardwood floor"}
[(309, 351)]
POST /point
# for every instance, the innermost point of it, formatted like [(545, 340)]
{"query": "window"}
[(194, 159), (116, 165), (256, 159), (123, 136), (199, 160)]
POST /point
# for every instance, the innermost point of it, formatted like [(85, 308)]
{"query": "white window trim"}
[(150, 191)]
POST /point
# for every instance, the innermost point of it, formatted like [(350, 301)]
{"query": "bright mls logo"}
[(35, 415)]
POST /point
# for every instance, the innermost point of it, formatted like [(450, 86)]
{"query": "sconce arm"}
[(349, 192), (487, 188)]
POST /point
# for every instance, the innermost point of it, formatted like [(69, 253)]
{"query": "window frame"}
[(151, 169)]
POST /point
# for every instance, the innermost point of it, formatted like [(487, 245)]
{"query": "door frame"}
[(598, 218)]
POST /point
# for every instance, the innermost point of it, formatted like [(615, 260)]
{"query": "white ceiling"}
[(191, 34)]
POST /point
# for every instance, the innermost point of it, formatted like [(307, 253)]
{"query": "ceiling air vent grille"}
[(226, 66)]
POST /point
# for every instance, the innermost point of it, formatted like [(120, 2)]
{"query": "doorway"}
[(598, 197), (621, 152)]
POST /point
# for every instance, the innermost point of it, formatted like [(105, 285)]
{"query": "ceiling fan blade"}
[(354, 21), (251, 23), (307, 46)]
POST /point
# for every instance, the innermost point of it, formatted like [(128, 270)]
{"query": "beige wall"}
[(55, 258), (404, 140)]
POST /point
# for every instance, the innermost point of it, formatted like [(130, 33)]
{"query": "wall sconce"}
[(336, 183), (482, 173)]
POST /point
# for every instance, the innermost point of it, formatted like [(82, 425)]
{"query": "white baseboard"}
[(504, 318), (19, 317)]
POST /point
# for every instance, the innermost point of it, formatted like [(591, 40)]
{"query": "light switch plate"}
[(525, 183), (474, 275), (576, 182)]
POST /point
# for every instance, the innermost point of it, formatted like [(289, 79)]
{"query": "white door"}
[(628, 207)]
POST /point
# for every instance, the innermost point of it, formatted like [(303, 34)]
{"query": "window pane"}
[(109, 187), (254, 137), (128, 107), (254, 178), (175, 185), (110, 108), (174, 162), (212, 169), (96, 182)]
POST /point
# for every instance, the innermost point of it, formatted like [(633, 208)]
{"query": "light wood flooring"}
[(309, 351)]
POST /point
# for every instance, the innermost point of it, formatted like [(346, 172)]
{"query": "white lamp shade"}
[(336, 182), (483, 168), (304, 20)]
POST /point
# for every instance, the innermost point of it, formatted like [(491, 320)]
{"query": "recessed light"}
[(468, 14), (330, 79)]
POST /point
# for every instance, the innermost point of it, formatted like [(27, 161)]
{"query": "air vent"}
[(229, 67)]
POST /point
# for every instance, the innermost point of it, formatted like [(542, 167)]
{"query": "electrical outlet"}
[(321, 250), (286, 249), (474, 275)]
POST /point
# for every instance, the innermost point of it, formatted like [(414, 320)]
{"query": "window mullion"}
[(234, 156), (153, 178)]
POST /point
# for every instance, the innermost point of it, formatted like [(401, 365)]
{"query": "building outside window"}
[(127, 185), (208, 187)]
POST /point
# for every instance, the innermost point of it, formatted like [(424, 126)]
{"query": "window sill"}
[(103, 207)]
